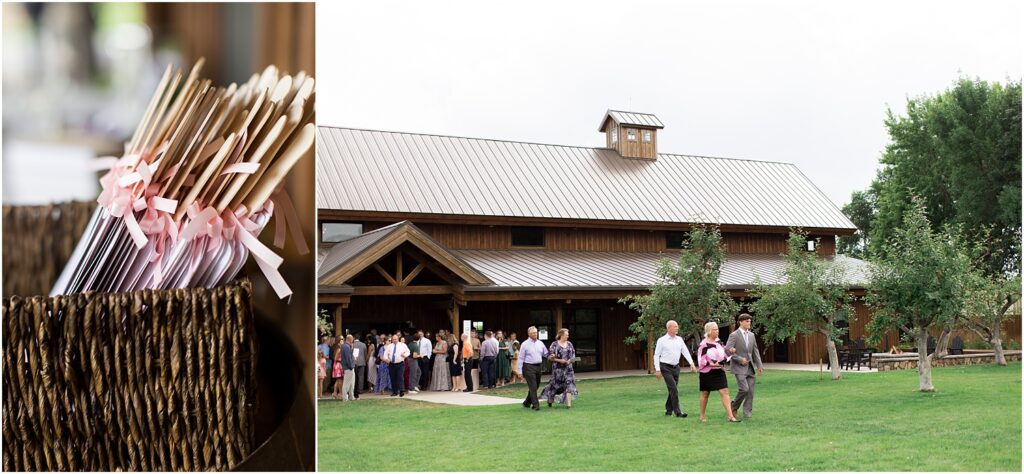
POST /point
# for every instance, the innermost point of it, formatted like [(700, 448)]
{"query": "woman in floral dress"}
[(383, 375), (562, 386)]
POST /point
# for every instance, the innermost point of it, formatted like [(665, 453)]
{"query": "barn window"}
[(647, 136), (615, 135), (631, 134), (527, 236), (331, 232), (677, 240)]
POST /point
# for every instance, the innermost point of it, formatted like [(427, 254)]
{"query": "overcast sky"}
[(800, 82)]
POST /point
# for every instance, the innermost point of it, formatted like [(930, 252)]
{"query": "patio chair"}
[(957, 346)]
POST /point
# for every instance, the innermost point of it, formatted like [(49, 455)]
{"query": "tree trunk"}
[(924, 366), (833, 358), (997, 346), (650, 354), (942, 345)]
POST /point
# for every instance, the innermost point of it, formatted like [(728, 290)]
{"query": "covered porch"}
[(399, 278)]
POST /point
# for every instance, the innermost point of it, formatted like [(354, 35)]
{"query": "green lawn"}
[(865, 422)]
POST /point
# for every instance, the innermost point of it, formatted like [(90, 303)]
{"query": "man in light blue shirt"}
[(531, 354)]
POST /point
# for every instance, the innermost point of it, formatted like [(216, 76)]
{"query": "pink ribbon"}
[(119, 201), (266, 259), (128, 188), (286, 217), (204, 221)]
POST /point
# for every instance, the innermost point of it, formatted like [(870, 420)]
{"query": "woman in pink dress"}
[(339, 373), (321, 372), (711, 357)]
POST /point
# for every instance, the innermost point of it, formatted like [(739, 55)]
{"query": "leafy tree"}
[(987, 304), (960, 151), (323, 322), (919, 283), (687, 291), (810, 297), (860, 210)]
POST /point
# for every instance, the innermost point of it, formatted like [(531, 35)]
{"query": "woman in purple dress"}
[(562, 386), (383, 374)]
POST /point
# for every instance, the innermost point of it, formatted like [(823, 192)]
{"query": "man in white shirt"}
[(395, 354), (666, 363), (425, 353), (744, 357)]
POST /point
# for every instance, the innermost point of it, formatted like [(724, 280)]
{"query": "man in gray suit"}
[(359, 352), (743, 359)]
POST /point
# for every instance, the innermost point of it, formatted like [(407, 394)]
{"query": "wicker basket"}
[(148, 380), (38, 241)]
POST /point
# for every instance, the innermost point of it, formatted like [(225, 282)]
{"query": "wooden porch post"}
[(337, 320), (558, 317), (454, 313)]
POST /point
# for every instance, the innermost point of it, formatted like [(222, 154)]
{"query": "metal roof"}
[(550, 270), (345, 250), (391, 172), (343, 260), (631, 118)]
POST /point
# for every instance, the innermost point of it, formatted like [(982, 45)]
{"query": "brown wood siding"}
[(827, 246), (754, 243), (608, 126), (637, 148), (1011, 331), (499, 237), (634, 148), (809, 349), (649, 150), (765, 243), (605, 240), (614, 328), (470, 237)]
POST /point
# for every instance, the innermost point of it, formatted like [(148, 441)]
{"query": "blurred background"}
[(76, 80), (77, 76)]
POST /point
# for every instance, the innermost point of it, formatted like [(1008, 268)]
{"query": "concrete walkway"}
[(480, 398), (812, 368), (471, 399)]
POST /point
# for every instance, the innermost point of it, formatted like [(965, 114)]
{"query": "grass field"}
[(865, 422)]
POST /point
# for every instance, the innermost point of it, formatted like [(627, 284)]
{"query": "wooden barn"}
[(451, 232)]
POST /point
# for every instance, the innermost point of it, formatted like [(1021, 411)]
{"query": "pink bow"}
[(266, 259), (205, 221)]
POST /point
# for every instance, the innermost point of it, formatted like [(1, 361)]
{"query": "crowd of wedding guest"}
[(407, 361), (414, 360)]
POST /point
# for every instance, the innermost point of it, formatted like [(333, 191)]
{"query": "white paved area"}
[(812, 367), (448, 398), (480, 398)]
